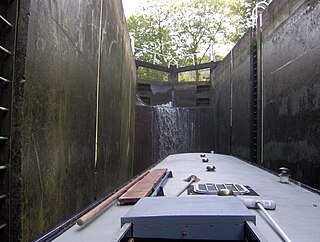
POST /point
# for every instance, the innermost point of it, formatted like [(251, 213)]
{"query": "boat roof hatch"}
[(191, 218)]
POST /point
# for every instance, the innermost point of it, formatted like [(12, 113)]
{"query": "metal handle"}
[(274, 224)]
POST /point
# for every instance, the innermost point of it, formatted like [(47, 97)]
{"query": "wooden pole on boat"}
[(191, 179), (96, 210)]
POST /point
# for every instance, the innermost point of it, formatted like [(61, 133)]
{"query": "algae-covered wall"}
[(231, 83), (73, 117), (286, 50), (221, 99), (143, 155), (240, 99), (290, 50)]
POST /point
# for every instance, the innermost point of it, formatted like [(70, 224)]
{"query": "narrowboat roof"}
[(297, 209)]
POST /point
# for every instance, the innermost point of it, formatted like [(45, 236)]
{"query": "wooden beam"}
[(209, 65), (151, 66), (144, 187)]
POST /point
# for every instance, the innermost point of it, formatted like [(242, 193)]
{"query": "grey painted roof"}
[(297, 211)]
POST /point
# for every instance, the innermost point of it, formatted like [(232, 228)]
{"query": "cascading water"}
[(139, 101), (172, 132)]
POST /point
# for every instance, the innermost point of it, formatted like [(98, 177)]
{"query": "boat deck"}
[(297, 211)]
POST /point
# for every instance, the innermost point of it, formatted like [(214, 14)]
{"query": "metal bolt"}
[(184, 233), (205, 160)]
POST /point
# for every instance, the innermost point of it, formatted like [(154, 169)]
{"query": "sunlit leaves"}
[(186, 32)]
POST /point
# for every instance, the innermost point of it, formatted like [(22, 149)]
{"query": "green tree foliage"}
[(197, 25), (240, 17), (184, 32), (152, 32)]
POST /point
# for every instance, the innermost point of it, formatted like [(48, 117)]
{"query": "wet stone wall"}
[(288, 86), (291, 82), (231, 83), (163, 130), (221, 98), (143, 155), (241, 83), (69, 63)]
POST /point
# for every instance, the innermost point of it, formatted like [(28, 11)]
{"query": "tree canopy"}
[(188, 32)]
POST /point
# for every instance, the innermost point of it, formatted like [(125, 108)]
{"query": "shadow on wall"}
[(266, 92)]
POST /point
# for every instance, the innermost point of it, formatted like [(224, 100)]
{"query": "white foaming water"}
[(173, 134)]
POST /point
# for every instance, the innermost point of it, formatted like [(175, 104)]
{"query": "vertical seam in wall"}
[(262, 104), (98, 89), (262, 93), (231, 99), (10, 170)]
